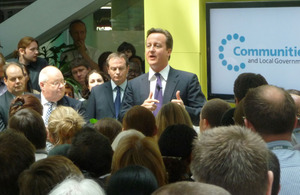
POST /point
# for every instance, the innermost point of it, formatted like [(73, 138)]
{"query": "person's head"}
[(159, 45), (274, 166), (127, 48), (31, 124), (270, 110), (64, 122), (25, 101), (28, 50), (44, 174), (171, 114), (16, 155), (135, 70), (69, 90), (109, 127), (136, 59), (190, 188), (246, 81), (141, 119), (132, 179), (117, 64), (212, 112), (134, 150), (232, 157), (94, 78), (77, 30), (2, 63), (91, 152), (52, 83), (79, 70), (175, 145), (102, 61), (123, 134), (14, 78), (239, 114), (77, 186)]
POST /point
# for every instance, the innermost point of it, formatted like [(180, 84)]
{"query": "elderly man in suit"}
[(162, 83), (105, 100), (52, 85), (15, 81)]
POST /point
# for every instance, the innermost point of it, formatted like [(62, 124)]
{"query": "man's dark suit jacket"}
[(187, 83), (5, 100), (101, 103), (67, 101)]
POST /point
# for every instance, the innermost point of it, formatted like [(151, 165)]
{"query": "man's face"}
[(78, 33), (79, 74), (54, 88), (117, 70), (157, 53), (15, 81), (30, 53)]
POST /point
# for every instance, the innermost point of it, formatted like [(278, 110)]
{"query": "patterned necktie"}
[(118, 101), (158, 94), (50, 104)]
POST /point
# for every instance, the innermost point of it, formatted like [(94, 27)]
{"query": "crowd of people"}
[(131, 132)]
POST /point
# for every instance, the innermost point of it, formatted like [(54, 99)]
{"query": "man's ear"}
[(5, 81), (270, 182), (248, 124)]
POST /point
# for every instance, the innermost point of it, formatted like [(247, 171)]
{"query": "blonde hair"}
[(144, 151), (64, 122), (172, 114)]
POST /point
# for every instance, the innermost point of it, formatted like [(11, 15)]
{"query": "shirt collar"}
[(123, 85), (164, 73), (44, 101)]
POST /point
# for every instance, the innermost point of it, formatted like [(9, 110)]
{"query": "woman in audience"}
[(31, 124), (141, 119), (123, 134), (175, 144), (133, 179), (64, 122), (77, 186), (43, 175), (92, 79), (134, 150), (25, 101), (109, 127), (171, 114)]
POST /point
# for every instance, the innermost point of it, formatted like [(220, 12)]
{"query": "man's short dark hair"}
[(246, 81), (232, 157), (79, 62), (169, 41), (16, 155), (77, 21), (213, 111), (271, 110), (91, 151), (126, 46)]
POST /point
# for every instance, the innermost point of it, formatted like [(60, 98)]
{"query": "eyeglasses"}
[(58, 83)]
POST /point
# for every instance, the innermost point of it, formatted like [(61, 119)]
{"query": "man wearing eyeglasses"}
[(27, 55), (52, 85), (15, 81)]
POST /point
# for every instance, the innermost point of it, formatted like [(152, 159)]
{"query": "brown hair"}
[(109, 127), (25, 101), (134, 150), (172, 114), (23, 43), (141, 119)]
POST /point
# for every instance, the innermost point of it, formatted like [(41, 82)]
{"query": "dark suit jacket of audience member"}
[(67, 101), (101, 103), (5, 100), (187, 83)]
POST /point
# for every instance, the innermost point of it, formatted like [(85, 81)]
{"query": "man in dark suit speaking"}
[(162, 83), (52, 85), (106, 99)]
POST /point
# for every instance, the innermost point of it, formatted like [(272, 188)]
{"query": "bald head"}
[(52, 83)]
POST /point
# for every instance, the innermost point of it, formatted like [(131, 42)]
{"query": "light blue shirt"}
[(289, 160)]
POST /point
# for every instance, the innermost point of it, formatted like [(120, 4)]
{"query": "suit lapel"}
[(145, 87), (170, 86)]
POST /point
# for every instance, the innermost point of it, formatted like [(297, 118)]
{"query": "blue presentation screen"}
[(256, 37)]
